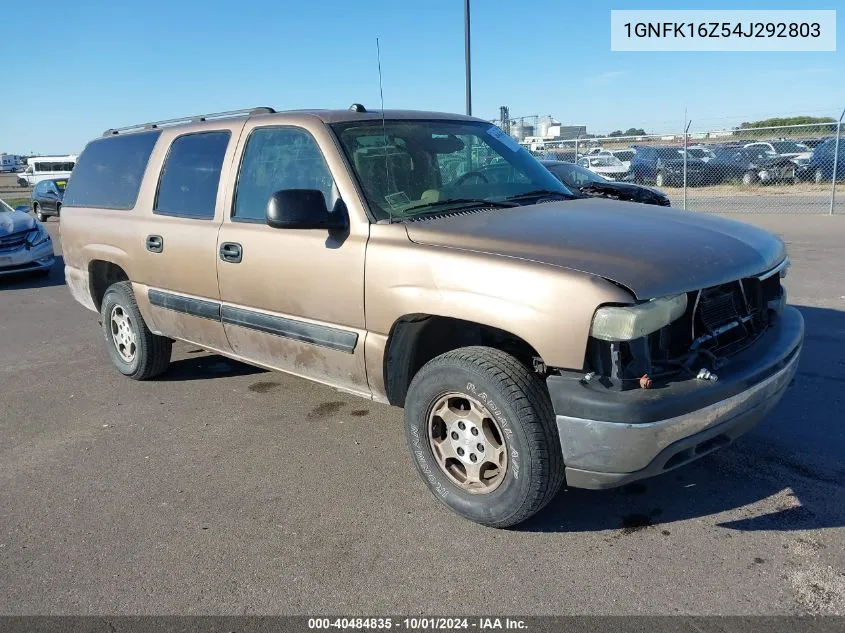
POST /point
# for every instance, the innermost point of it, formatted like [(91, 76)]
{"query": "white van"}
[(46, 168)]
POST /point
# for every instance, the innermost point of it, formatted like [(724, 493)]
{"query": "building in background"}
[(537, 130)]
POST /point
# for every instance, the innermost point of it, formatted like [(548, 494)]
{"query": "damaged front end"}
[(687, 336)]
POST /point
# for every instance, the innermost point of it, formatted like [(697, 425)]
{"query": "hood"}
[(678, 163), (652, 251), (14, 221), (771, 161)]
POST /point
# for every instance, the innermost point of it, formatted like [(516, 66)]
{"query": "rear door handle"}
[(231, 252), (155, 243)]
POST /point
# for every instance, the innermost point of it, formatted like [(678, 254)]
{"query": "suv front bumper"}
[(611, 438)]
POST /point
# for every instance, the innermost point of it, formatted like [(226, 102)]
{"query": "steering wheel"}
[(460, 179)]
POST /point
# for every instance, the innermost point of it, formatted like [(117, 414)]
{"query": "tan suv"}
[(428, 261)]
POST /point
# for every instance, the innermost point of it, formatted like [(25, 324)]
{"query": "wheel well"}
[(103, 274), (417, 338)]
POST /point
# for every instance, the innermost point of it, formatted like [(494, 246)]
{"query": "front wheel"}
[(134, 350), (660, 179), (38, 213), (749, 178), (818, 177), (482, 434)]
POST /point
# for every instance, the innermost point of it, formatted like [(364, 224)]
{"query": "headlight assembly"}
[(38, 236), (626, 323)]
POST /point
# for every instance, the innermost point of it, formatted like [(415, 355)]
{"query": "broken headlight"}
[(626, 323), (37, 236)]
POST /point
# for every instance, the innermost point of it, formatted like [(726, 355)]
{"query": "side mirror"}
[(302, 209)]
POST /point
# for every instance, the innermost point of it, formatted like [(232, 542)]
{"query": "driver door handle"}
[(231, 252)]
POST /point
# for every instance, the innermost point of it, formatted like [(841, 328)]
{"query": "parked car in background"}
[(751, 165), (664, 166), (46, 168), (588, 184), (820, 167), (25, 244), (786, 149), (47, 198), (605, 165)]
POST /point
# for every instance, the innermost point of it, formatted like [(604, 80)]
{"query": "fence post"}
[(835, 162), (575, 160), (686, 131)]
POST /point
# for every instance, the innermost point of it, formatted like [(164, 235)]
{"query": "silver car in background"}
[(25, 244)]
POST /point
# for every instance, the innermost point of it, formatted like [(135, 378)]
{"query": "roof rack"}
[(154, 125)]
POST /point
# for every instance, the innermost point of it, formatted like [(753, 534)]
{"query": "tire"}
[(818, 177), (58, 210), (518, 410), (141, 354), (41, 217), (660, 180), (749, 178)]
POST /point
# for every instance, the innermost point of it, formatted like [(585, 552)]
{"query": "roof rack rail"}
[(153, 125)]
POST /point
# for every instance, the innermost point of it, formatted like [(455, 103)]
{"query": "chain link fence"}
[(787, 169)]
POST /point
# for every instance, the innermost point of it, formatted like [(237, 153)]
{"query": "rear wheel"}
[(660, 179), (482, 433), (134, 350), (749, 178), (818, 177)]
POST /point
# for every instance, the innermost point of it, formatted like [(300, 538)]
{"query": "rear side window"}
[(108, 174), (191, 175)]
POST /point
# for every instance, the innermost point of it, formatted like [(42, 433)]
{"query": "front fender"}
[(548, 307)]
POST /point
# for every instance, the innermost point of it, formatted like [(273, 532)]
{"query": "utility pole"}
[(467, 59)]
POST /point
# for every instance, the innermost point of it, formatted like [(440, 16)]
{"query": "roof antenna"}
[(383, 128)]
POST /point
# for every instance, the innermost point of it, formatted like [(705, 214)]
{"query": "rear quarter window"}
[(191, 175), (109, 172)]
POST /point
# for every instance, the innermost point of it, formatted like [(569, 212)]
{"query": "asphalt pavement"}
[(223, 489)]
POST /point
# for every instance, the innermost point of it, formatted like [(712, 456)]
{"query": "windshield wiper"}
[(462, 201), (540, 193)]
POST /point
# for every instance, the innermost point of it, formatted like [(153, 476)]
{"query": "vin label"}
[(718, 30)]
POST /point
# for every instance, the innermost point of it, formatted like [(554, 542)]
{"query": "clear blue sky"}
[(94, 64)]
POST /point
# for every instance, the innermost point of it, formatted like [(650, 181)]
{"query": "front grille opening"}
[(719, 323)]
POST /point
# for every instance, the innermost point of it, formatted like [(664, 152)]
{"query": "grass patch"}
[(14, 202)]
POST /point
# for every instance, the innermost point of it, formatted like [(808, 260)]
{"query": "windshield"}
[(605, 161), (575, 176), (788, 147), (408, 168), (668, 153)]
